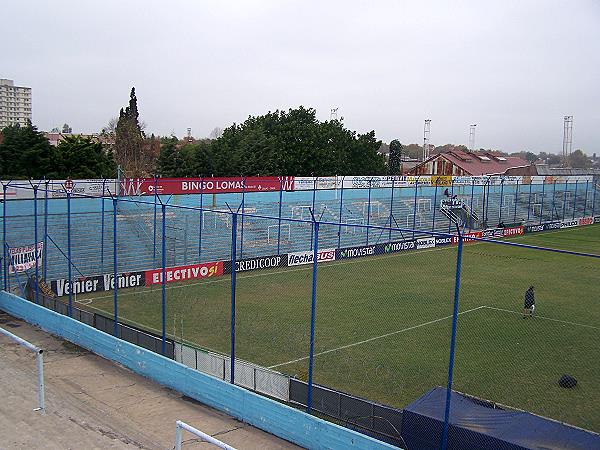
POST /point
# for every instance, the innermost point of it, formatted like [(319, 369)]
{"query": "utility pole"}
[(567, 140)]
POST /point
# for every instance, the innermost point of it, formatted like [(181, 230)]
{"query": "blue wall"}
[(281, 420)]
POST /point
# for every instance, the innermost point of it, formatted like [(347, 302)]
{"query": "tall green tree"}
[(395, 161), (26, 153), (579, 160), (131, 152), (82, 157), (294, 142)]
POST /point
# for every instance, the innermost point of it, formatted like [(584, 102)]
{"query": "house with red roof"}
[(461, 163)]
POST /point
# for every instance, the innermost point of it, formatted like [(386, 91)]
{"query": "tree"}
[(111, 127), (215, 133), (66, 129), (394, 163), (579, 160), (294, 142), (82, 157), (131, 153), (174, 161), (26, 153)]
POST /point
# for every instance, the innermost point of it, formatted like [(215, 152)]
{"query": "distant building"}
[(458, 162), (107, 141), (15, 104)]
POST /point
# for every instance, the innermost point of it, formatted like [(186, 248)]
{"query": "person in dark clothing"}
[(529, 305)]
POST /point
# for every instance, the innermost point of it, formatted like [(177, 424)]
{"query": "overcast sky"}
[(513, 67)]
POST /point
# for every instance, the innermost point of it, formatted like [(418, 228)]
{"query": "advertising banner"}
[(492, 233), (23, 258), (428, 242), (586, 221), (568, 223), (467, 236), (534, 228), (86, 285), (182, 273), (168, 186), (23, 190), (552, 226), (395, 247), (310, 183), (356, 252), (596, 219), (380, 182), (300, 258), (512, 231), (440, 241), (263, 262), (441, 180)]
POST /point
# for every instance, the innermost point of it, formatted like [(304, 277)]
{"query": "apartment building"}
[(15, 104)]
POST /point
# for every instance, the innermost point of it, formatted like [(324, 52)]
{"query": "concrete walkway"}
[(92, 403)]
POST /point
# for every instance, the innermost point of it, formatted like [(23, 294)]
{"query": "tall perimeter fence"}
[(393, 305)]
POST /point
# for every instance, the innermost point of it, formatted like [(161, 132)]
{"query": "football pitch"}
[(383, 323)]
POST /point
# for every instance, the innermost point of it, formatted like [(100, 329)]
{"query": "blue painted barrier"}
[(276, 418)]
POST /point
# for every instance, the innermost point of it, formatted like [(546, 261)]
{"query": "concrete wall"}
[(281, 420)]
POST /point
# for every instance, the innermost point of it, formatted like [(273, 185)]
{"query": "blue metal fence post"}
[(242, 227), (279, 216), (575, 199), (4, 253), (115, 271), (45, 254), (529, 199), (391, 209), (313, 312), (435, 189), (164, 280), (341, 209), (451, 196), (233, 288), (587, 184), (487, 202), (593, 198), (313, 207), (102, 231), (35, 243), (415, 207), (201, 219), (471, 204), (565, 199), (553, 201), (452, 341), (542, 204), (501, 201), (516, 200), (70, 309), (368, 210), (154, 227)]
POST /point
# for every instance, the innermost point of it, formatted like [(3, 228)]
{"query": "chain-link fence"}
[(381, 299)]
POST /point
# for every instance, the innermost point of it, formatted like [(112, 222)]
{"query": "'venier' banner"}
[(86, 285), (23, 258), (168, 186), (182, 273)]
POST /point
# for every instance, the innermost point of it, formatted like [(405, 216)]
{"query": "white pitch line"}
[(287, 270), (375, 338), (545, 318)]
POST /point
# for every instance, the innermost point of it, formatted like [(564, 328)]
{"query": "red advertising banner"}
[(466, 236), (146, 186), (512, 231), (182, 273)]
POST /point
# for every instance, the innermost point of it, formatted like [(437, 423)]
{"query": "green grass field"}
[(383, 323)]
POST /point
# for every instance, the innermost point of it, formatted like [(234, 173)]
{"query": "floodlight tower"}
[(472, 137), (567, 139), (333, 114), (426, 134)]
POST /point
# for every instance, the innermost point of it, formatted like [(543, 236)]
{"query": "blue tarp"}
[(477, 426)]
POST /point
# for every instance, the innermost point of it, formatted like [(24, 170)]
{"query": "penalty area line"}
[(566, 322), (366, 341)]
